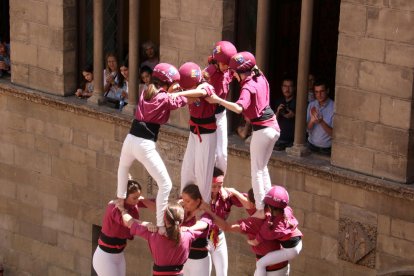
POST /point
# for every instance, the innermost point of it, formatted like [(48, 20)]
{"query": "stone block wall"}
[(374, 89), (43, 40), (188, 31), (58, 166)]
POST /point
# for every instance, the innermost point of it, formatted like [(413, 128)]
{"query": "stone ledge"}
[(313, 165)]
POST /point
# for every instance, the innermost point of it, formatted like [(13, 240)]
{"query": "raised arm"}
[(241, 197)]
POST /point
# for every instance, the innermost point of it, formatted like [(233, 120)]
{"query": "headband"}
[(218, 179)]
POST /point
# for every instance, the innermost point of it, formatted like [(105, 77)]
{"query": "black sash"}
[(145, 130)]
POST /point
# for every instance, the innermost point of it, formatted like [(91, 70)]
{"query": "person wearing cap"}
[(253, 103), (153, 110), (218, 75), (222, 199), (280, 224), (199, 157), (250, 227)]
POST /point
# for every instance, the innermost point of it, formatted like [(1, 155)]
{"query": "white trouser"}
[(145, 152), (198, 163), (261, 148), (221, 149), (219, 255), (200, 267), (275, 257), (281, 272), (107, 264)]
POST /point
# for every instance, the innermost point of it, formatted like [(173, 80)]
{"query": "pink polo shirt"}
[(112, 224), (166, 252), (221, 81), (157, 110), (203, 109), (283, 228), (251, 226)]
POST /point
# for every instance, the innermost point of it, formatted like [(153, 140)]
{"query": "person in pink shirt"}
[(218, 75), (169, 251), (253, 103), (153, 110), (281, 225), (199, 157), (199, 262), (222, 199), (250, 227), (109, 258)]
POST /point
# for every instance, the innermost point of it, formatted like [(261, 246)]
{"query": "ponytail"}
[(174, 215), (256, 71), (150, 92)]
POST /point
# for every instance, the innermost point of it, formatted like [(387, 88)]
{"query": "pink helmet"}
[(223, 51), (190, 75), (242, 62), (166, 73), (277, 197), (209, 71)]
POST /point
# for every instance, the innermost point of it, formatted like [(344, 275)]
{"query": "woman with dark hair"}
[(199, 262), (109, 258)]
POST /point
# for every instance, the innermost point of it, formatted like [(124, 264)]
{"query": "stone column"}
[(133, 55), (98, 66), (305, 41), (262, 32)]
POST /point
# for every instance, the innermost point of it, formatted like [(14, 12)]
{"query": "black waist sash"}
[(267, 114), (145, 130), (202, 121)]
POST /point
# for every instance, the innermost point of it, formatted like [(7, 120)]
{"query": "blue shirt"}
[(317, 135)]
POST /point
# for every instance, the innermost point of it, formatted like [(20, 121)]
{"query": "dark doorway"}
[(4, 22), (116, 31), (284, 41)]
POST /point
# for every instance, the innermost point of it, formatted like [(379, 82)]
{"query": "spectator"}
[(112, 80), (124, 86), (4, 60), (150, 54), (87, 91), (319, 116), (311, 83), (285, 113)]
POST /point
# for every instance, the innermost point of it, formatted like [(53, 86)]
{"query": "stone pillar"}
[(44, 43), (262, 32), (98, 64), (305, 41), (373, 125), (133, 56)]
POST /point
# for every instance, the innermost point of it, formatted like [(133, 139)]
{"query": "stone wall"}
[(374, 89), (43, 38), (58, 163)]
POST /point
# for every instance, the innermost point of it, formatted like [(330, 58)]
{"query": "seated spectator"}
[(87, 91), (124, 86), (285, 114), (319, 118), (311, 83), (150, 54), (113, 80), (4, 60)]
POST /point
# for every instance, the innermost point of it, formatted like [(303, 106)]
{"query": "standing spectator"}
[(285, 113), (311, 83), (320, 115), (150, 53), (145, 74), (124, 85)]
